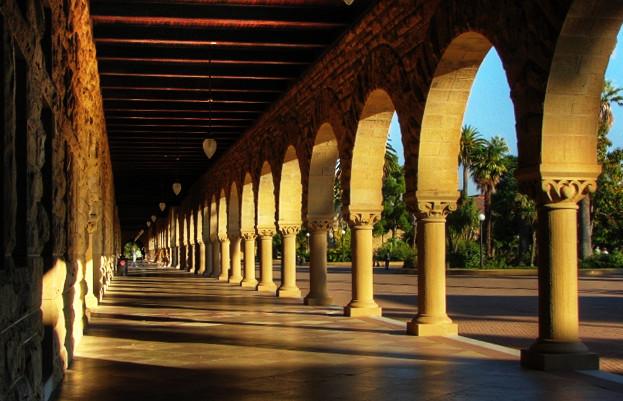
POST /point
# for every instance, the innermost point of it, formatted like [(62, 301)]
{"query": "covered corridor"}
[(162, 334), (215, 133)]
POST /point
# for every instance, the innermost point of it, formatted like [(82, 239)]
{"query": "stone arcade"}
[(65, 215)]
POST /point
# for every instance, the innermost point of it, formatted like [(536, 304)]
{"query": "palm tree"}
[(488, 166), (609, 95), (471, 143)]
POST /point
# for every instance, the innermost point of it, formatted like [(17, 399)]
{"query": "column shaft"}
[(266, 264), (236, 274), (216, 259), (249, 261), (432, 319), (288, 288), (362, 303), (225, 260), (318, 292)]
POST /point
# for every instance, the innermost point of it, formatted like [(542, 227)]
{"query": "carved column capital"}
[(289, 229), (223, 237), (320, 223), (248, 235), (362, 218), (435, 208), (266, 231), (565, 190)]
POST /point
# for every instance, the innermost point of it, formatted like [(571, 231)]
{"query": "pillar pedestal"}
[(249, 280), (362, 303), (432, 318), (288, 288), (225, 261), (266, 284), (559, 346), (318, 293)]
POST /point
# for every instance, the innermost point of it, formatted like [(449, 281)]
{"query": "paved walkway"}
[(168, 335)]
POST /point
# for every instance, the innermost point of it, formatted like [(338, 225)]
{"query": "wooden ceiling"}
[(174, 73)]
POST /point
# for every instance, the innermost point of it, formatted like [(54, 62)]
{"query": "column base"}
[(267, 287), (292, 292), (235, 280), (223, 278), (363, 311), (248, 283), (557, 356), (318, 301), (432, 329)]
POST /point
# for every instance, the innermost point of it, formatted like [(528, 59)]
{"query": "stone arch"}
[(437, 164), (233, 215), (572, 98), (266, 198), (366, 167), (222, 213), (290, 189), (322, 172), (247, 210), (382, 75)]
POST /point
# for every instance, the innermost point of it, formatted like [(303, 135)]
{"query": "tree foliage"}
[(608, 202)]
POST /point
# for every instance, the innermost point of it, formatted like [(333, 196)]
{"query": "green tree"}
[(515, 217), (608, 202), (488, 167), (395, 215), (610, 95), (471, 143)]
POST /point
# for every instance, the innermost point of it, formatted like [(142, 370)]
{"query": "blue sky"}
[(490, 108)]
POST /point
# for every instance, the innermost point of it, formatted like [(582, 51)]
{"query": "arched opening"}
[(365, 200), (223, 237), (247, 229), (290, 190), (233, 217), (266, 228), (320, 197), (321, 203), (290, 204), (214, 237), (266, 198), (247, 210), (366, 170)]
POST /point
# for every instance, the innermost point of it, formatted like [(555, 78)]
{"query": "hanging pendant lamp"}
[(177, 188), (162, 206), (148, 223), (209, 147), (153, 218)]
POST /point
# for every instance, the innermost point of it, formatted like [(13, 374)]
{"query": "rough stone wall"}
[(57, 190), (396, 47)]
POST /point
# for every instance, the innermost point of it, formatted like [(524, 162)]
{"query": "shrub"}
[(601, 261), (395, 249), (467, 255)]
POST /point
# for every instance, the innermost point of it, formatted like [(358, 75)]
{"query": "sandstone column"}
[(201, 257), (225, 261), (288, 288), (90, 276), (362, 303), (558, 346), (216, 258), (432, 319), (208, 258), (236, 274), (318, 292), (266, 260), (249, 259)]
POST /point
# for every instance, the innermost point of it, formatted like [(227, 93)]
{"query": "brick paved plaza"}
[(499, 309)]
